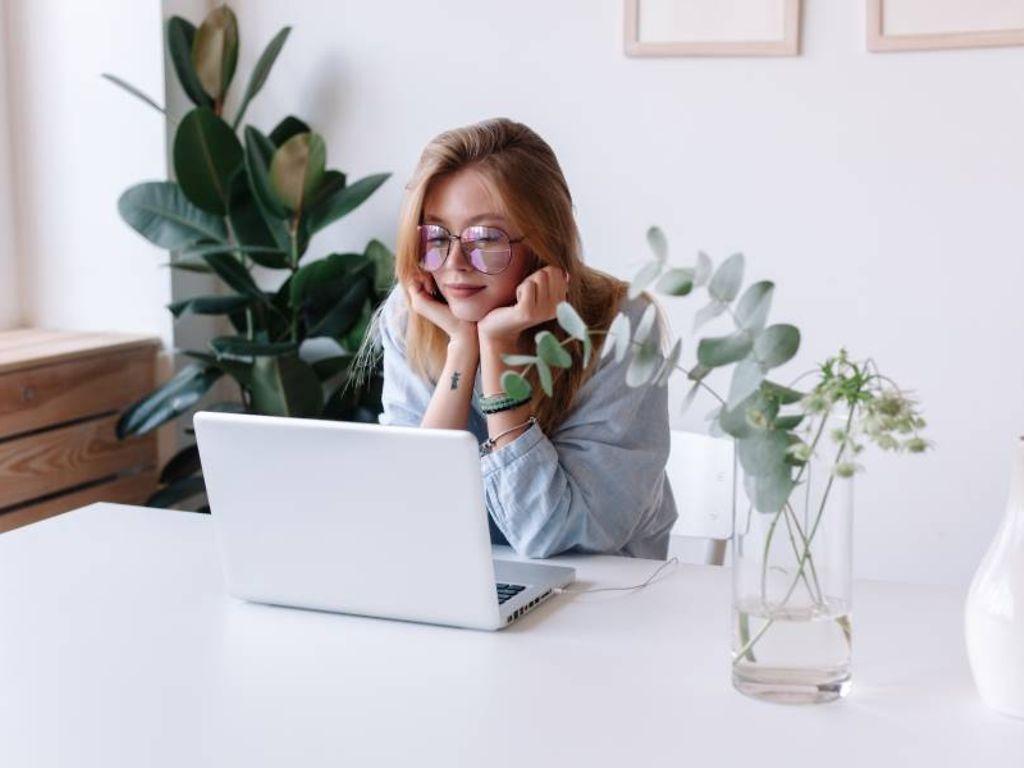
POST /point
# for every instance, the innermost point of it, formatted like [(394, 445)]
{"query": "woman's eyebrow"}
[(479, 217)]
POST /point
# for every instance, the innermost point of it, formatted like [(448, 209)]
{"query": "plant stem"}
[(807, 547)]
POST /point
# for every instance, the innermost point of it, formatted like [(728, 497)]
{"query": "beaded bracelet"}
[(488, 445), (501, 402)]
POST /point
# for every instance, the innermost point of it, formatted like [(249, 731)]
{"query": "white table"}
[(119, 648)]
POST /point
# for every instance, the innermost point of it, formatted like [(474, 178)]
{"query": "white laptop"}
[(369, 519)]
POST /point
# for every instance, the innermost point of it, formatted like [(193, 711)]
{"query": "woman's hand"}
[(537, 298), (426, 304)]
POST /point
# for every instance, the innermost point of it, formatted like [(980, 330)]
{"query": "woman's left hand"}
[(536, 300)]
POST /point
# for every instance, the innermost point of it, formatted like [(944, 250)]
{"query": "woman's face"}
[(459, 200)]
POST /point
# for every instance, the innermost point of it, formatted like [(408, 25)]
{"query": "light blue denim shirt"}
[(597, 484)]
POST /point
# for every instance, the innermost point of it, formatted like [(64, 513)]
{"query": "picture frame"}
[(943, 24), (725, 27)]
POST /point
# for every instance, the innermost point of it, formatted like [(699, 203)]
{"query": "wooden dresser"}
[(61, 395)]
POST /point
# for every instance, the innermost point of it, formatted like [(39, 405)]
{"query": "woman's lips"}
[(463, 292)]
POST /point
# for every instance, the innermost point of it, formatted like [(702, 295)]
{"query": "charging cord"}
[(641, 585)]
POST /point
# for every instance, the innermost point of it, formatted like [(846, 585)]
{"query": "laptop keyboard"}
[(508, 591)]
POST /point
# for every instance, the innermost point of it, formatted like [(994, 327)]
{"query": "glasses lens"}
[(433, 246), (488, 248)]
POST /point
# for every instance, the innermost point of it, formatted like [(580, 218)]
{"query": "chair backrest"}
[(702, 472)]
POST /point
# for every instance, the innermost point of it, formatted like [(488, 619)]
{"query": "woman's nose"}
[(457, 257)]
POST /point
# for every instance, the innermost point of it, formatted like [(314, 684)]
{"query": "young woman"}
[(487, 248)]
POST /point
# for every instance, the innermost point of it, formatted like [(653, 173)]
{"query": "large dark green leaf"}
[(183, 464), (160, 212), (177, 492), (329, 367), (332, 292), (384, 266), (168, 401), (136, 92), (230, 270), (331, 183), (215, 51), (297, 168), (261, 71), (239, 370), (259, 151), (286, 386), (240, 346), (252, 230), (288, 127), (343, 202), (209, 305), (180, 34), (207, 155)]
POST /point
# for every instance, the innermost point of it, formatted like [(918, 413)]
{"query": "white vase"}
[(994, 614)]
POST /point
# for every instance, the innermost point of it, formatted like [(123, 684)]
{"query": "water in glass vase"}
[(793, 654)]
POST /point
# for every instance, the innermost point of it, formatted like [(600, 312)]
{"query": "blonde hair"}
[(522, 172)]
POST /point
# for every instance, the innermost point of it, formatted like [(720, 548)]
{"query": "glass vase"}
[(792, 632)]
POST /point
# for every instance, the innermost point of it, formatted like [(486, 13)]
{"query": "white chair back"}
[(702, 472)]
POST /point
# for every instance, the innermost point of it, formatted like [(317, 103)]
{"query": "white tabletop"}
[(119, 648)]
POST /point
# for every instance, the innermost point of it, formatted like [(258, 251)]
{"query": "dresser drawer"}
[(37, 398), (61, 396)]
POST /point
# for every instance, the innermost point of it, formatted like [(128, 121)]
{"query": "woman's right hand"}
[(426, 304)]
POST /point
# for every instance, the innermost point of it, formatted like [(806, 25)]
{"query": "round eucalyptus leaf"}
[(717, 351), (668, 366), (570, 321), (643, 365), (519, 359), (550, 351), (777, 344), (646, 324), (746, 378), (725, 283), (656, 239), (617, 338), (709, 312), (546, 380), (297, 168), (702, 272), (763, 451), (675, 282), (514, 385), (768, 493), (643, 278), (753, 306)]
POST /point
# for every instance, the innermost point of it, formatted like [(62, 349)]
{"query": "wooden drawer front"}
[(46, 463), (49, 395), (130, 489)]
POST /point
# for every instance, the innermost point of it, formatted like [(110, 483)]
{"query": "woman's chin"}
[(467, 309)]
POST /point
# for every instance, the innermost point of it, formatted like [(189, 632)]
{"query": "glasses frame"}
[(448, 252)]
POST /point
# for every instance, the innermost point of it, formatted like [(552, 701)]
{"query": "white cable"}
[(643, 584)]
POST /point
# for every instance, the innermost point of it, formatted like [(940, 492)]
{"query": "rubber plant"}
[(241, 198)]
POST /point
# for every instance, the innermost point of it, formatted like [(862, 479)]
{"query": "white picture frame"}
[(920, 25), (712, 27)]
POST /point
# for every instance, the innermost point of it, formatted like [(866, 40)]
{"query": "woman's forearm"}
[(491, 368), (450, 404)]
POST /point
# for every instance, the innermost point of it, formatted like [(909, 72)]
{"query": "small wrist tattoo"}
[(455, 380)]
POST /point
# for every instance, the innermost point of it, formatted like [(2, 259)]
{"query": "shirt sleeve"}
[(404, 396), (597, 483)]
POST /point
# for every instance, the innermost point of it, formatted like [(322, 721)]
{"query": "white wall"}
[(880, 191), (10, 303), (78, 143)]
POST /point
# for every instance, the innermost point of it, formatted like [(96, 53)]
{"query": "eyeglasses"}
[(489, 249)]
